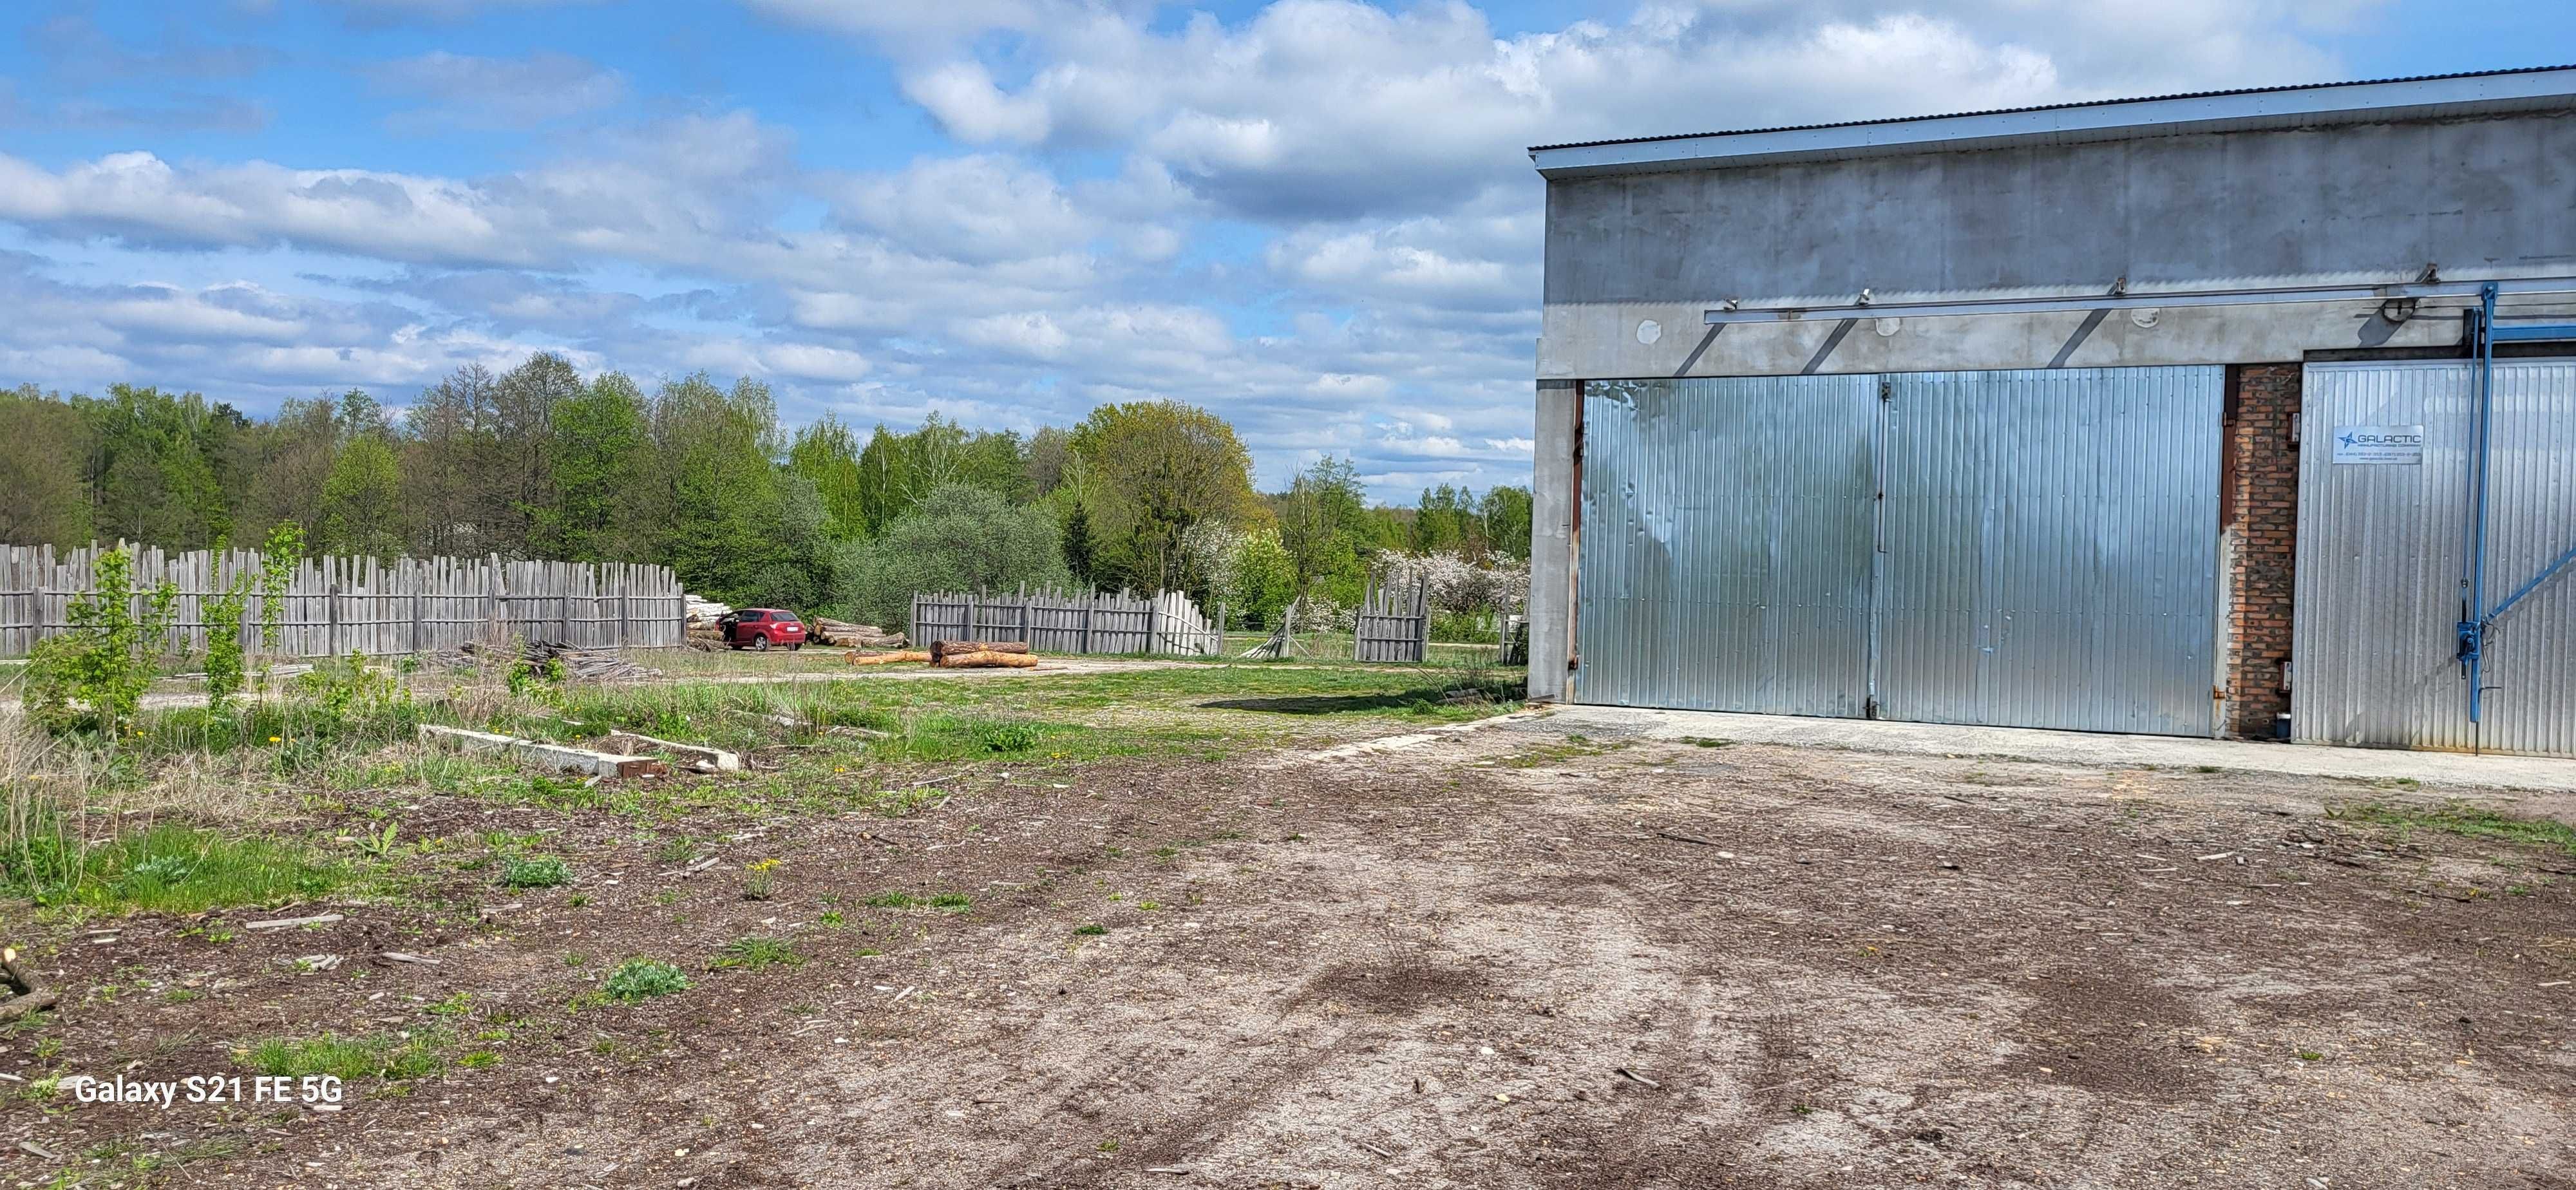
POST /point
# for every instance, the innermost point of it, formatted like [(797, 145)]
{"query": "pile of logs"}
[(829, 631), (958, 654), (590, 664), (982, 654)]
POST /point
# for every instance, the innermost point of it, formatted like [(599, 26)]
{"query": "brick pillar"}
[(2259, 506)]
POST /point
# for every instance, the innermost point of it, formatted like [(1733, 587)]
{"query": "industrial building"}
[(2247, 413)]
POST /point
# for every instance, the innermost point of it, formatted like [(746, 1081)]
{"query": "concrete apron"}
[(2072, 747)]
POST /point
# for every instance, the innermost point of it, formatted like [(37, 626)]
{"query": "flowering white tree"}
[(1455, 584)]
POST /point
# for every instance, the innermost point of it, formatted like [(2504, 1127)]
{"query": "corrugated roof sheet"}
[(2051, 107)]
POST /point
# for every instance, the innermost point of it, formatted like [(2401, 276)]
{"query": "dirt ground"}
[(1506, 957)]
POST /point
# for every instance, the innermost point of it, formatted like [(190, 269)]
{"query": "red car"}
[(760, 627)]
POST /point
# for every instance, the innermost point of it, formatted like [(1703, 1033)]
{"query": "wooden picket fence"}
[(336, 606), (1071, 622), (1392, 627)]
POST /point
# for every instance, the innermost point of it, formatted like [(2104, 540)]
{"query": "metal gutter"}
[(2131, 300), (2435, 97)]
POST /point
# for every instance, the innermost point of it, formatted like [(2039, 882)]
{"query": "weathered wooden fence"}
[(1392, 627), (1066, 622), (335, 606)]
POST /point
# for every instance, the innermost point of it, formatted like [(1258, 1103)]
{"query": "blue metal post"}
[(2473, 629)]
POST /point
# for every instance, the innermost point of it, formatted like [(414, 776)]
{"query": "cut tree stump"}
[(941, 650), (557, 757)]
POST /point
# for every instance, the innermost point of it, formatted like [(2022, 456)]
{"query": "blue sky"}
[(1312, 216)]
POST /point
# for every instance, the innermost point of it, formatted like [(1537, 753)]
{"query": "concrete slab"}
[(2073, 747)]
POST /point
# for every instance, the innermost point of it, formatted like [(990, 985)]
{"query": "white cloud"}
[(1315, 218), (979, 208), (497, 92)]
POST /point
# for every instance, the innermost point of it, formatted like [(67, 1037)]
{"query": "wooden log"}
[(988, 660), (30, 998), (940, 649), (888, 658)]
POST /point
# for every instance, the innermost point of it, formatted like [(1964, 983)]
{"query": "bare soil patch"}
[(1483, 961)]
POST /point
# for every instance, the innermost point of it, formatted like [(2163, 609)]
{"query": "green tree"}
[(599, 443), (156, 466), (1506, 516), (1156, 468), (43, 500), (362, 500), (959, 538), (826, 453)]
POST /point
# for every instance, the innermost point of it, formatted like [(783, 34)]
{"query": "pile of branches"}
[(592, 664)]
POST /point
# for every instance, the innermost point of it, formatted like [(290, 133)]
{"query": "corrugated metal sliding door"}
[(2051, 545), (1725, 543), (2383, 544)]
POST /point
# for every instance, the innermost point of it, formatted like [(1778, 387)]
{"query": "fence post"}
[(331, 620), (1089, 606), (1359, 621), (1422, 621), (621, 615), (416, 583)]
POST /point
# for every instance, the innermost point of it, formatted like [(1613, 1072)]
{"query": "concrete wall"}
[(2369, 203), (1551, 600)]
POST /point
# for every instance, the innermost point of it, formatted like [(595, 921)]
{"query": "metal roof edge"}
[(2429, 97)]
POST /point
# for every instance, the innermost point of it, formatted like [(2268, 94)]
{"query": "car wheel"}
[(760, 644)]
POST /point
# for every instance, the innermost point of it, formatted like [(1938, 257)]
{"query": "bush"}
[(958, 538), (93, 677), (643, 979)]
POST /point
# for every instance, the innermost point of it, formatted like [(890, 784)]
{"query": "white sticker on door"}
[(2386, 445)]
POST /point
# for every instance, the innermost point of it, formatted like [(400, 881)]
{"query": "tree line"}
[(541, 462)]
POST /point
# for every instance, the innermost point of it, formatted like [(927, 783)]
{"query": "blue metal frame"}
[(2476, 618)]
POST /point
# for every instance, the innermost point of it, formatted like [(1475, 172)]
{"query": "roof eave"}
[(2354, 103)]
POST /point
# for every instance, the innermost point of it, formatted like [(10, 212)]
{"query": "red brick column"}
[(2259, 508)]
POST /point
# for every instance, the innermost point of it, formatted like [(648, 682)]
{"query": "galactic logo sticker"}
[(2386, 445)]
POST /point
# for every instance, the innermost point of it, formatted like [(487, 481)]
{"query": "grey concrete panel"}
[(2364, 203), (1551, 606)]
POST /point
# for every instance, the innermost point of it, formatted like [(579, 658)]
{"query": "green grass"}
[(534, 871), (1090, 931), (752, 953), (643, 979), (350, 1058), (2461, 818), (170, 869)]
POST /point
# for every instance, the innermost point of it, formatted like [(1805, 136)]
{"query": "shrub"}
[(958, 538), (93, 677), (643, 979)]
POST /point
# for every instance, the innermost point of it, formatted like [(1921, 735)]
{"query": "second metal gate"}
[(2032, 549)]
